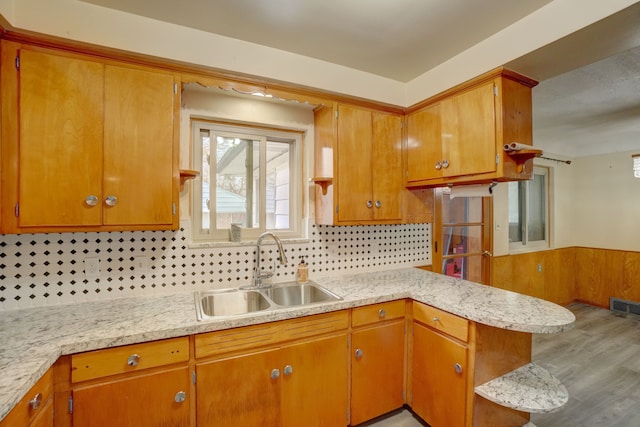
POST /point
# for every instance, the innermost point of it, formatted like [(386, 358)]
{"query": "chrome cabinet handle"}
[(358, 353), (382, 313), (275, 374), (111, 201), (180, 397), (458, 368), (438, 166), (91, 200), (369, 204), (133, 360), (36, 401), (378, 204), (445, 164), (288, 370)]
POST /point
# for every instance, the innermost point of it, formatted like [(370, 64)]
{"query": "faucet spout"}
[(259, 275)]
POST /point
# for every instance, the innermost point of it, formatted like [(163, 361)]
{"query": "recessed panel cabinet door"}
[(138, 147), (143, 401), (60, 145)]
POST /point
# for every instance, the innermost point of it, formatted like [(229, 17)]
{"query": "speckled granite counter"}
[(33, 339)]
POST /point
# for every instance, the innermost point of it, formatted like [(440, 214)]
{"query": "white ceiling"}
[(588, 101)]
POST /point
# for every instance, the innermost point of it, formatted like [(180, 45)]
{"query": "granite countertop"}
[(33, 339)]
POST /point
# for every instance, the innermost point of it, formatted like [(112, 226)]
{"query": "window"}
[(529, 212), (249, 176)]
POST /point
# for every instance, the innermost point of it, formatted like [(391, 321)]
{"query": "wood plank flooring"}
[(599, 363)]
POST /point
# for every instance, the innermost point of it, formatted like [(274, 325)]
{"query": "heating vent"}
[(621, 306)]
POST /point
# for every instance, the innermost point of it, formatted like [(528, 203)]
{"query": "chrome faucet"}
[(259, 275)]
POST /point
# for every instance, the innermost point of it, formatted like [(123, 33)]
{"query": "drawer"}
[(130, 358), (442, 321), (37, 400), (377, 313)]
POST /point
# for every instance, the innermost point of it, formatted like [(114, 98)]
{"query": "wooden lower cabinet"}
[(143, 400), (377, 370), (35, 409), (302, 384)]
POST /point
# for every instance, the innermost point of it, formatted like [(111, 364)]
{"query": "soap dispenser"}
[(302, 275)]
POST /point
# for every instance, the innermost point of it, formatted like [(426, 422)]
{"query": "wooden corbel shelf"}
[(521, 156), (323, 182), (185, 175)]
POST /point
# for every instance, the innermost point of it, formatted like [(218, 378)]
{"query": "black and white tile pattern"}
[(48, 269)]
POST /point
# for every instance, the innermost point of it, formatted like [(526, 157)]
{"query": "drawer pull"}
[(275, 374), (36, 401), (382, 313), (180, 397), (133, 360), (436, 319), (458, 368)]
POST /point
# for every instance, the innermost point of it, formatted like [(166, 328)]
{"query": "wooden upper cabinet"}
[(458, 136), (88, 145), (361, 150)]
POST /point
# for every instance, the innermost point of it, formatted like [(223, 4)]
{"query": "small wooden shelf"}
[(323, 182), (521, 156), (185, 175)]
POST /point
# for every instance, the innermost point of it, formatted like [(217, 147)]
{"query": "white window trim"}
[(296, 187), (538, 245)]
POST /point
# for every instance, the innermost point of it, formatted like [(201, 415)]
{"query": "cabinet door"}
[(45, 417), (377, 371), (468, 132), (141, 401), (354, 164), (424, 144), (438, 390), (138, 146), (314, 389), (386, 167), (60, 145), (239, 391)]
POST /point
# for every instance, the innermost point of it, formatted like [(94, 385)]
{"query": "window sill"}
[(227, 244)]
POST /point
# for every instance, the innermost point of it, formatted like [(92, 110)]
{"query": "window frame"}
[(536, 245), (264, 134)]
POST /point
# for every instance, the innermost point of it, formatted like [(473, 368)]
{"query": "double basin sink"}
[(234, 302)]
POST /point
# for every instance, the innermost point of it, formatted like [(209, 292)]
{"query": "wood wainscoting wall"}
[(588, 275)]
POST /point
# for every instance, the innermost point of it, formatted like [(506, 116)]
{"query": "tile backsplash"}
[(48, 269)]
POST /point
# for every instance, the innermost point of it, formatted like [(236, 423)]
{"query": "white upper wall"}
[(85, 22)]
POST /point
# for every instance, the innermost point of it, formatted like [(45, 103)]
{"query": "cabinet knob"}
[(36, 401), (458, 368), (275, 374), (438, 166), (180, 397), (369, 204), (288, 370), (436, 319), (445, 164), (133, 360), (378, 204), (382, 313), (111, 201), (91, 200), (358, 353)]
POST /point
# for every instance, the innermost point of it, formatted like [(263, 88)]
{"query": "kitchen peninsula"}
[(498, 321)]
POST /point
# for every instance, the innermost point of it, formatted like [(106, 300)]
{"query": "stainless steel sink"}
[(229, 302), (237, 302), (300, 294)]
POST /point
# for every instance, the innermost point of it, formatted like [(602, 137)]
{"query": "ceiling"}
[(588, 100)]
